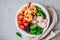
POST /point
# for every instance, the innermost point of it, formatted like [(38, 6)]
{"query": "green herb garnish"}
[(18, 34)]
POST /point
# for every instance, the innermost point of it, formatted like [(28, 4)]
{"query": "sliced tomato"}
[(20, 22), (20, 16), (21, 27), (24, 20), (26, 23)]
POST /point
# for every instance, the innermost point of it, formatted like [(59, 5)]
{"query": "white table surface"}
[(8, 9)]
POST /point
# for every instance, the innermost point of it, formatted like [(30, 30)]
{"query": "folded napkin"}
[(57, 37), (49, 33)]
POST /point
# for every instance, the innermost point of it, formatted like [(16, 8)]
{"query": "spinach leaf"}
[(40, 30), (35, 30), (18, 34), (40, 12)]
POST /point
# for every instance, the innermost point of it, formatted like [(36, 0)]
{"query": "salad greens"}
[(40, 12), (35, 29), (18, 34), (33, 26)]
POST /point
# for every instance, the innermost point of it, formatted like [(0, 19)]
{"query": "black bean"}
[(27, 29)]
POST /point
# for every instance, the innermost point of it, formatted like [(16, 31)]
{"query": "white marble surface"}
[(8, 9)]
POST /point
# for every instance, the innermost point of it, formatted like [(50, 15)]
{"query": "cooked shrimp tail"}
[(29, 4)]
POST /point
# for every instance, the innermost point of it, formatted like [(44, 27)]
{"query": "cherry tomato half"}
[(20, 16)]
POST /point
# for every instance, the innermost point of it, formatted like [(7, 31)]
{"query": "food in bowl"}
[(32, 19)]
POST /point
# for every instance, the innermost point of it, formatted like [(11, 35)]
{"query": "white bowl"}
[(47, 17)]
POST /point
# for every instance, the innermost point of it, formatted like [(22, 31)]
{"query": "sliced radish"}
[(39, 18), (45, 20), (41, 24)]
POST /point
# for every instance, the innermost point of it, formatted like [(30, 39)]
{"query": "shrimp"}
[(28, 17), (28, 12), (23, 10), (28, 4), (33, 9)]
